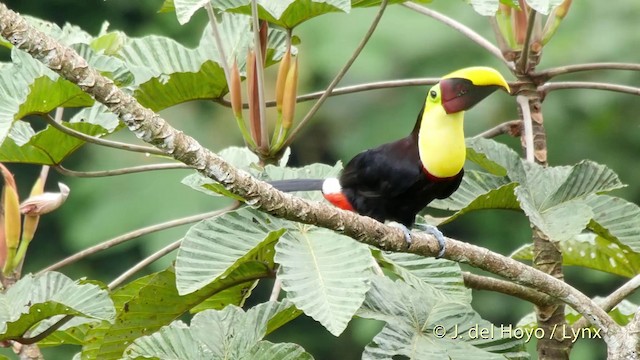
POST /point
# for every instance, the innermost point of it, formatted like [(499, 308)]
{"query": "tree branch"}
[(463, 29), (98, 141), (479, 282), (339, 76), (512, 128), (135, 234), (124, 171), (547, 74), (150, 127), (611, 301), (549, 87)]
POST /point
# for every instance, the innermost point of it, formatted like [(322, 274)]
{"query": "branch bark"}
[(151, 128)]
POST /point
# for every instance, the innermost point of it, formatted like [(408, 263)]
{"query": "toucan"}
[(393, 182)]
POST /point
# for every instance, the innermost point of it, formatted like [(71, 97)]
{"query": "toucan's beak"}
[(464, 88)]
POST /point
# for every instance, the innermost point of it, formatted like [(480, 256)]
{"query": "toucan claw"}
[(430, 229), (405, 230)]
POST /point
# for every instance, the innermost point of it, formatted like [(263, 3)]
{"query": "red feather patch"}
[(339, 200)]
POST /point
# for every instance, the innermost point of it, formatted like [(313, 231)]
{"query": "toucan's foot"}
[(405, 230), (430, 229)]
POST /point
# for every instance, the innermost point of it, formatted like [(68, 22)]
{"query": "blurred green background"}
[(581, 124)]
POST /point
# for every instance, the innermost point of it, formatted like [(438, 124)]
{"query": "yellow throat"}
[(441, 142)]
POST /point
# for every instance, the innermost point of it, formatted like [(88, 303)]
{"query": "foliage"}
[(192, 309)]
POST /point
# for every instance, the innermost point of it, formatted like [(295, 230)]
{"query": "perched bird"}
[(394, 181)]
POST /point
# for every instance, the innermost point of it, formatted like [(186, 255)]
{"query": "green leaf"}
[(479, 191), (616, 219), (229, 333), (151, 302), (594, 252), (420, 325), (266, 350), (36, 298), (324, 274), (544, 7), (214, 247), (555, 198), (49, 146), (167, 73), (443, 275), (496, 158), (285, 13), (28, 87)]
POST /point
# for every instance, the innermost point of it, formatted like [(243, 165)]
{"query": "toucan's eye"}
[(433, 94)]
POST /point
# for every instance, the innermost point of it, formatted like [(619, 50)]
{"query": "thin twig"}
[(523, 101), (124, 171), (148, 260), (479, 282), (552, 86), (339, 76), (98, 141), (463, 29), (568, 69), (136, 234), (523, 62), (219, 44), (512, 128), (386, 84), (611, 301), (264, 135)]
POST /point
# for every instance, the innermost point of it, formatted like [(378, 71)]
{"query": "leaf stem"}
[(102, 142), (325, 95), (552, 86), (513, 128), (547, 74), (136, 234), (139, 266), (124, 171)]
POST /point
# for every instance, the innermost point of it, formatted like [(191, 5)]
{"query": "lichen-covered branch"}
[(151, 128)]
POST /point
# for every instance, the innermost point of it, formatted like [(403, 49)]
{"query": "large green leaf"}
[(214, 247), (616, 219), (489, 7), (479, 191), (47, 147), (496, 158), (422, 325), (167, 73), (324, 274), (443, 275), (229, 333), (36, 298), (594, 252), (556, 198), (145, 305)]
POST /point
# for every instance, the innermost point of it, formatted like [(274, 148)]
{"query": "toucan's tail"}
[(298, 185)]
